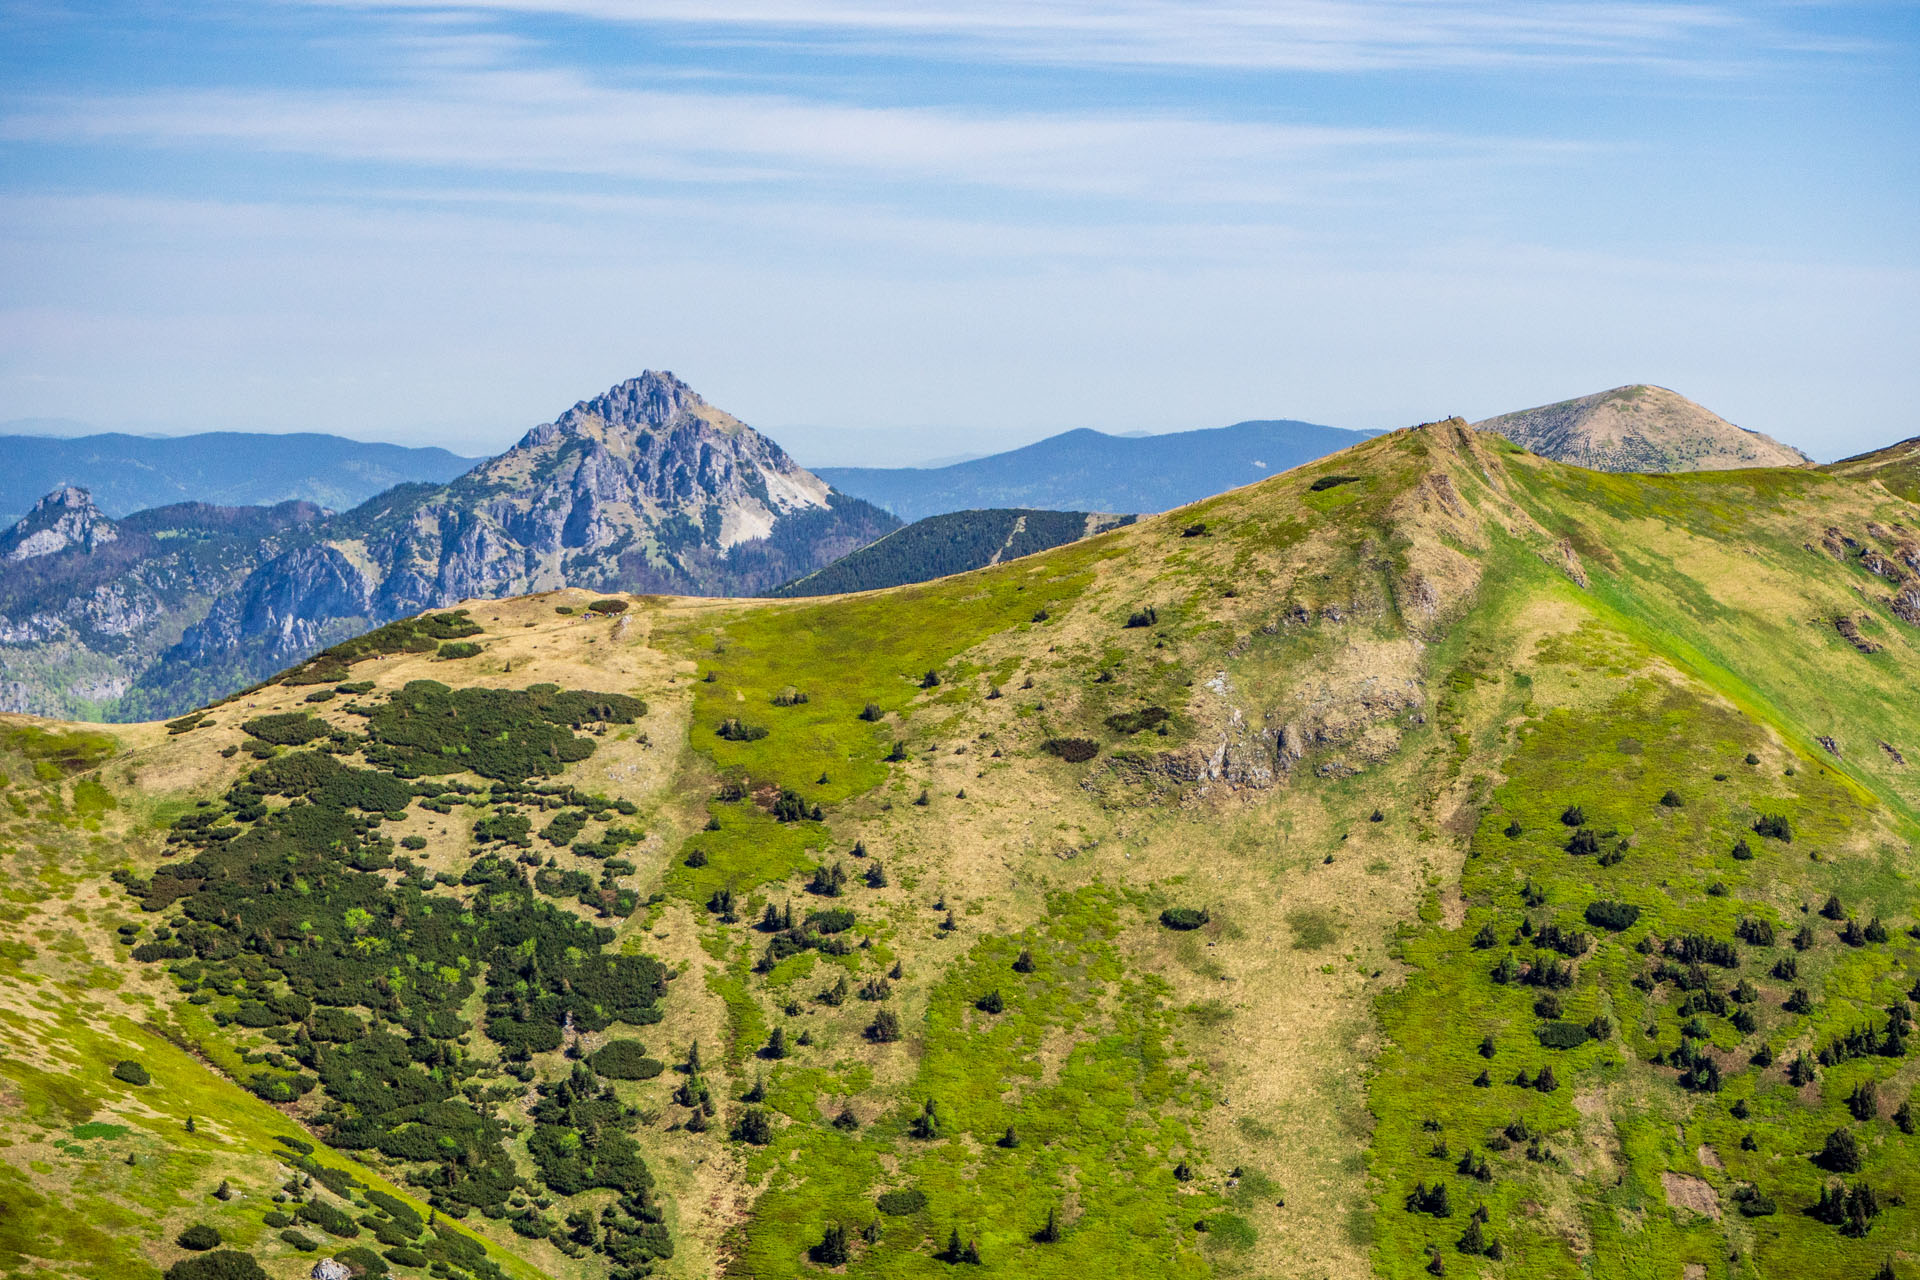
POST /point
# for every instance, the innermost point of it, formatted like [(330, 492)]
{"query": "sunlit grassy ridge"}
[(1239, 781)]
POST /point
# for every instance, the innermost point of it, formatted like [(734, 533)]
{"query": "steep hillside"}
[(1896, 466), (87, 603), (1092, 471), (952, 543), (221, 468), (1640, 428), (646, 487), (1437, 852)]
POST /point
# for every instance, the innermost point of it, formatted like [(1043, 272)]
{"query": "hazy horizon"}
[(945, 229)]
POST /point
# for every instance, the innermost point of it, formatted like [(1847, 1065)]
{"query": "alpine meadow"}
[(1432, 860)]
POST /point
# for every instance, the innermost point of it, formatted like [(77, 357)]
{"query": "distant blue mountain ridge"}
[(1086, 470), (126, 473)]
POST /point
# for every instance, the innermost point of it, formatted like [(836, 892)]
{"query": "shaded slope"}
[(951, 543), (1087, 470), (1640, 428)]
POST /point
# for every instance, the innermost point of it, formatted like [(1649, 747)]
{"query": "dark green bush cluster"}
[(902, 1203), (427, 728), (506, 828), (459, 649), (1561, 1035), (199, 1237), (625, 1060), (408, 635), (815, 933), (287, 728), (1072, 750), (1324, 483), (222, 1264), (1184, 917), (1612, 915), (1698, 948), (791, 806), (1131, 722), (283, 920), (733, 729)]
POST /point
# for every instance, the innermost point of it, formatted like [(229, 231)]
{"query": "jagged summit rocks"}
[(1640, 428), (649, 448), (645, 487), (64, 518)]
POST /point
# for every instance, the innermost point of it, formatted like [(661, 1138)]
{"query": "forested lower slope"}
[(954, 543), (1436, 860)]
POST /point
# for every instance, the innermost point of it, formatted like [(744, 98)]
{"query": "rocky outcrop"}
[(65, 518), (78, 623), (646, 487), (286, 606)]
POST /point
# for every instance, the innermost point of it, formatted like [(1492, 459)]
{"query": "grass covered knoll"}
[(845, 654)]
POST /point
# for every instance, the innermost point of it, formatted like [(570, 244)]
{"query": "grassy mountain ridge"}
[(1202, 868)]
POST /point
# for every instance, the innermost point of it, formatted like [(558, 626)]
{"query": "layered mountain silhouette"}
[(952, 543), (645, 488), (1088, 470), (124, 473)]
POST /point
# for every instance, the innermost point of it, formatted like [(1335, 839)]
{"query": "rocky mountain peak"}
[(647, 450), (654, 399), (64, 518)]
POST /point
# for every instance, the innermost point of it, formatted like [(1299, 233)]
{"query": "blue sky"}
[(887, 231)]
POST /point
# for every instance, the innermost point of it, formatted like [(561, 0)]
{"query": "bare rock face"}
[(64, 518), (87, 603), (286, 604), (645, 487)]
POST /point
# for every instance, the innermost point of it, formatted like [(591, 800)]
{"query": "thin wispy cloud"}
[(1317, 35), (559, 122)]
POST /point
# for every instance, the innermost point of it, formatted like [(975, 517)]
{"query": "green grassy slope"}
[(1175, 887)]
